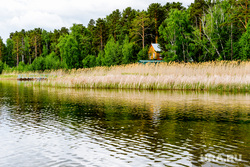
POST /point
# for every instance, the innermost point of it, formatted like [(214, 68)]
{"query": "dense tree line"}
[(204, 31)]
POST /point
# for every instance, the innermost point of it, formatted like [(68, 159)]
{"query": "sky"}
[(16, 15)]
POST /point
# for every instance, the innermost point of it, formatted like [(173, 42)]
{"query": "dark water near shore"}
[(70, 127)]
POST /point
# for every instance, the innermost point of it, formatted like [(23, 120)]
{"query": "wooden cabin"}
[(154, 52)]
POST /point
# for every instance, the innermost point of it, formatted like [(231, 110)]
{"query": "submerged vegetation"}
[(230, 76)]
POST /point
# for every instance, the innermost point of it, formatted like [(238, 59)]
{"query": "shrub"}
[(21, 67), (89, 61), (38, 64), (143, 54), (100, 59), (52, 62)]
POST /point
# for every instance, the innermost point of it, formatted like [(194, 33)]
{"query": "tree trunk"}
[(246, 12), (35, 48), (231, 41), (210, 40), (183, 50), (23, 50), (156, 30), (17, 56), (196, 22), (101, 43), (40, 49), (143, 36), (200, 29), (115, 34)]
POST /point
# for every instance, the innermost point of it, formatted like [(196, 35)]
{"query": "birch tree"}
[(215, 35), (176, 31)]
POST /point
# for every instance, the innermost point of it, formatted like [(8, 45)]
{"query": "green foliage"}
[(69, 50), (143, 54), (140, 25), (27, 48), (52, 62), (112, 53), (170, 56), (244, 44), (214, 33), (35, 41), (196, 11), (2, 49), (100, 34), (89, 61), (113, 21), (45, 40), (9, 57), (1, 67), (240, 13), (75, 46), (128, 55), (100, 59), (206, 31), (38, 64), (173, 5), (157, 14), (21, 67), (128, 16), (176, 31)]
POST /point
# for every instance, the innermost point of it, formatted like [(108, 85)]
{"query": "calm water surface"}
[(69, 127)]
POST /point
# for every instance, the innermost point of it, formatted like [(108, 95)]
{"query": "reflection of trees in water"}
[(161, 121), (118, 104), (206, 113)]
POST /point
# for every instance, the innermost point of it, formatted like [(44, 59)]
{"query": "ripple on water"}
[(41, 129)]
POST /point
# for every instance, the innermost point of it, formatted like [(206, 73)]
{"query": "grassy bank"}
[(213, 76)]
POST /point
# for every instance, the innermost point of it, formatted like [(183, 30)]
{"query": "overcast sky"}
[(16, 15)]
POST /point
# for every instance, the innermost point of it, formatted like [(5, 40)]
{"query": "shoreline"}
[(209, 76)]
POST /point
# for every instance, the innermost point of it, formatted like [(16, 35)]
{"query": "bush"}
[(21, 67), (38, 64), (100, 59), (143, 54), (52, 62), (169, 56), (89, 61)]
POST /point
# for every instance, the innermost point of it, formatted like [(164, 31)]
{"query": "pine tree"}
[(140, 24)]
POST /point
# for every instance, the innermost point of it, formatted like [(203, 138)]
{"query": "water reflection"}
[(69, 127)]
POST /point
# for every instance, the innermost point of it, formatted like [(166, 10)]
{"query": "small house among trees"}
[(154, 52)]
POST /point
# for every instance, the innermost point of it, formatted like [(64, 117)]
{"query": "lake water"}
[(74, 127)]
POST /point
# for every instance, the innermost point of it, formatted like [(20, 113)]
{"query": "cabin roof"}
[(156, 47)]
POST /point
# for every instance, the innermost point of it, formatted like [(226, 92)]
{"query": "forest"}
[(205, 31)]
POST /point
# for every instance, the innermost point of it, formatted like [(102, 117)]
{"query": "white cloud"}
[(54, 14), (37, 19)]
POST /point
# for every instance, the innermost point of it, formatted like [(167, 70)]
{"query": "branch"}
[(209, 38)]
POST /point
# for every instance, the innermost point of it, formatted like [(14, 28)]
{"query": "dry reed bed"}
[(221, 76)]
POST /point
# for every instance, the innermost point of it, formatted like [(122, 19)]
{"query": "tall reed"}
[(218, 76)]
